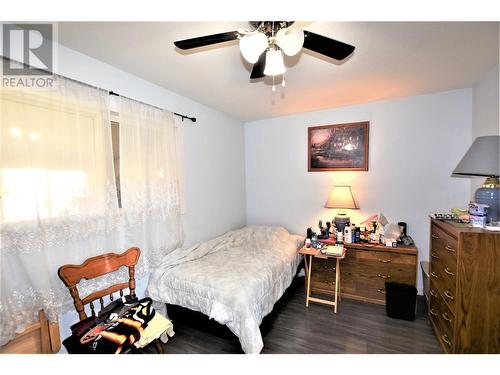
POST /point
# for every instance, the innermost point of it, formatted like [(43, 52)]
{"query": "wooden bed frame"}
[(38, 338)]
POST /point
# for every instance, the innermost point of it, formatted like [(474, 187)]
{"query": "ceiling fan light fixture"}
[(252, 45), (290, 40), (274, 63)]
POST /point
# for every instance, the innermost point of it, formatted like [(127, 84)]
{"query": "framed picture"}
[(341, 147)]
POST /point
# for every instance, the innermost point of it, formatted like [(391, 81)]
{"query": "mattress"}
[(235, 278)]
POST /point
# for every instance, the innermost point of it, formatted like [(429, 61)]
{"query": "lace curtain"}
[(149, 180), (58, 196)]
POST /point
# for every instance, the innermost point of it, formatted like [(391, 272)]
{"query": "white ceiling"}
[(391, 60)]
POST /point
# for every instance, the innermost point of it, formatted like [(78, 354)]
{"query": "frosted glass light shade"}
[(341, 197), (274, 63), (290, 40), (252, 45)]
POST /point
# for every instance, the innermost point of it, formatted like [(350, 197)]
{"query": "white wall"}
[(485, 107), (213, 146), (415, 143)]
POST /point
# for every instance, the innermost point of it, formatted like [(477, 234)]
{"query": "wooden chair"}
[(97, 266)]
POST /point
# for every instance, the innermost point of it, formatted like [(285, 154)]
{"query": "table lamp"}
[(341, 198), (482, 159)]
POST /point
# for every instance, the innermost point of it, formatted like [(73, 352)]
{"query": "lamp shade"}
[(481, 159), (274, 63), (341, 197)]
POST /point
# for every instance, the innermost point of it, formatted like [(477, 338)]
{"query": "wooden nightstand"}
[(309, 254)]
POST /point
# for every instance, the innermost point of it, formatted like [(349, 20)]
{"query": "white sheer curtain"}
[(58, 200), (149, 180)]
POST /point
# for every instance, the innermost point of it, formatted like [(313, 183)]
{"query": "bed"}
[(235, 278)]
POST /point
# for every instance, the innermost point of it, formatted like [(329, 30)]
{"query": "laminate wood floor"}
[(292, 328)]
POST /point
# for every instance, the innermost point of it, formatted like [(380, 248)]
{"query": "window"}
[(31, 192), (54, 160), (54, 157)]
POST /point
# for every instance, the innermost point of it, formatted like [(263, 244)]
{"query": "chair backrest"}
[(97, 266)]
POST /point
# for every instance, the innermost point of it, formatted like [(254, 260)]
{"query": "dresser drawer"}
[(368, 257), (447, 295), (370, 282), (443, 278), (443, 320), (323, 274), (404, 274), (445, 260), (403, 260), (374, 291), (401, 271), (444, 247), (379, 258), (348, 274)]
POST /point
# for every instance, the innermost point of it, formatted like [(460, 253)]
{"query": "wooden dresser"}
[(365, 270), (465, 287)]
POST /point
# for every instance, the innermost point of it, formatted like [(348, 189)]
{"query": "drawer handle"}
[(433, 312), (433, 293), (447, 270), (381, 291), (384, 260), (433, 274), (446, 317), (384, 276), (449, 248), (445, 339), (435, 236), (434, 255), (448, 295)]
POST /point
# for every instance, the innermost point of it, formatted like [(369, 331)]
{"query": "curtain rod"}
[(175, 113), (193, 119)]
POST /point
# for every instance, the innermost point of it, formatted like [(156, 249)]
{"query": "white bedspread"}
[(235, 278)]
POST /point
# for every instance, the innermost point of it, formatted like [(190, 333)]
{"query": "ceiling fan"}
[(265, 45)]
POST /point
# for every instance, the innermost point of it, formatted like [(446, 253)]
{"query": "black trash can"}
[(400, 300)]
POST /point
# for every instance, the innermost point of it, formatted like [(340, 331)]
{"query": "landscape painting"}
[(342, 147)]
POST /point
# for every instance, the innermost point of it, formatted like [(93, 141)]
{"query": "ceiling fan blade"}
[(326, 46), (258, 67), (206, 40)]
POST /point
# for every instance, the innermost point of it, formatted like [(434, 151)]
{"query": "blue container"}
[(491, 197)]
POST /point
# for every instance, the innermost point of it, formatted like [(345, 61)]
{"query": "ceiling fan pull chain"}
[(283, 81), (274, 87)]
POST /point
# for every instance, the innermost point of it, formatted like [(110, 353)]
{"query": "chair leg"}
[(159, 347)]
